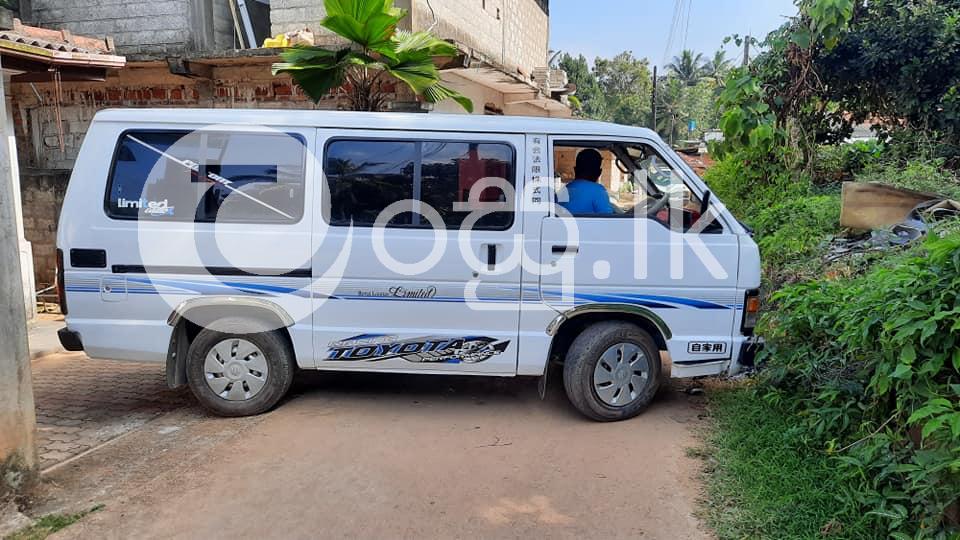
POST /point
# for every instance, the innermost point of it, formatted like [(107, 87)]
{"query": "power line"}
[(674, 26), (686, 29)]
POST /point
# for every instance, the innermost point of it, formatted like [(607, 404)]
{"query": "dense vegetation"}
[(859, 388), (619, 89), (851, 429)]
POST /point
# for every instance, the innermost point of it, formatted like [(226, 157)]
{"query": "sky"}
[(608, 27)]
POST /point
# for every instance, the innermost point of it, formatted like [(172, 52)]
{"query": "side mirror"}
[(705, 202)]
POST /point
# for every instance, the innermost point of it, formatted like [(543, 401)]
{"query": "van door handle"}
[(491, 257), (566, 250)]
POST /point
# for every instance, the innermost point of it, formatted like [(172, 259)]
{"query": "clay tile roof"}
[(58, 46), (57, 40)]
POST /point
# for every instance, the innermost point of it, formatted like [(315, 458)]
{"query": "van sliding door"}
[(413, 248)]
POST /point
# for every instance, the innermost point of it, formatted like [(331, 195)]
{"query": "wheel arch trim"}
[(554, 327), (186, 306)]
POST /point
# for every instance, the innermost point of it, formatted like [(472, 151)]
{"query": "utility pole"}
[(653, 101), (746, 51), (17, 413)]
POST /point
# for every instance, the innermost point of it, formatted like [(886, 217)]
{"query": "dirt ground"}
[(389, 456)]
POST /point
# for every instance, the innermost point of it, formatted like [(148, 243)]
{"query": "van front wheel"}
[(612, 371), (236, 370)]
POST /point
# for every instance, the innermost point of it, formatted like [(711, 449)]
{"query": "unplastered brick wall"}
[(45, 168), (35, 106)]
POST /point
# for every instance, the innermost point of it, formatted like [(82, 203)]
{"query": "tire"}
[(625, 393), (248, 384)]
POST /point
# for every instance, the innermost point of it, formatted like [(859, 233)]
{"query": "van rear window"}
[(365, 177), (207, 176)]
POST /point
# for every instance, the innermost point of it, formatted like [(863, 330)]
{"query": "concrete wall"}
[(481, 96), (17, 415), (513, 33), (290, 15), (10, 174), (223, 29), (142, 28), (42, 195)]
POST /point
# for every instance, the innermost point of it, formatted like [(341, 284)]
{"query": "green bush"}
[(926, 175), (747, 182), (794, 229), (866, 368), (839, 163), (791, 220), (871, 367), (765, 482)]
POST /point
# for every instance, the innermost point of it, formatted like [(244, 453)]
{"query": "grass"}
[(50, 524), (763, 483)]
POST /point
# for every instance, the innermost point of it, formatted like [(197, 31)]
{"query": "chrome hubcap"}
[(235, 369), (621, 374)]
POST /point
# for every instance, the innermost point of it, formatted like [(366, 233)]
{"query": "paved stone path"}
[(82, 403)]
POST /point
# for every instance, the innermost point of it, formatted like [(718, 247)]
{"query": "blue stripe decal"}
[(147, 286)]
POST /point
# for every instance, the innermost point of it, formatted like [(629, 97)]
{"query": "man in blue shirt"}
[(585, 194)]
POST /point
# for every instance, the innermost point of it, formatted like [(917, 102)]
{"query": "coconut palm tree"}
[(670, 107), (688, 67), (718, 68), (377, 52)]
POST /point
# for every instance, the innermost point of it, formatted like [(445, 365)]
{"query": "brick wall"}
[(45, 168), (38, 140)]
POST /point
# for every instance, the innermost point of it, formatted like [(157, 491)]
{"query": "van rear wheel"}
[(612, 371), (239, 369)]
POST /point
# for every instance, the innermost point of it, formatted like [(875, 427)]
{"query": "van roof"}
[(369, 120)]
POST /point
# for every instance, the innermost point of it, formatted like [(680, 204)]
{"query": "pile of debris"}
[(892, 218)]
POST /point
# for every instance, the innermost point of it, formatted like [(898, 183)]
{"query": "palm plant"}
[(718, 67), (688, 67), (670, 107), (377, 52)]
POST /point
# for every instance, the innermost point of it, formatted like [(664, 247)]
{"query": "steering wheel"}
[(661, 203)]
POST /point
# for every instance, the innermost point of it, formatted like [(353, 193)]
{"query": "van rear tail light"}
[(61, 287), (751, 312)]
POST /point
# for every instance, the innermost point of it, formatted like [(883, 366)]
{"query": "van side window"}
[(366, 176), (625, 180), (207, 176)]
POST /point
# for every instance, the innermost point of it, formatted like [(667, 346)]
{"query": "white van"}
[(238, 246)]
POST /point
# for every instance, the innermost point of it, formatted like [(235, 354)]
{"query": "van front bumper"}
[(70, 339)]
